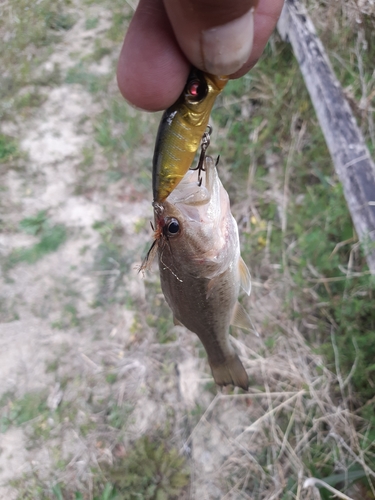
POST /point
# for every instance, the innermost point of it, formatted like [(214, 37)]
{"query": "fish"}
[(180, 131), (201, 269)]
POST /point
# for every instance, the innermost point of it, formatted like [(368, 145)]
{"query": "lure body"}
[(180, 131)]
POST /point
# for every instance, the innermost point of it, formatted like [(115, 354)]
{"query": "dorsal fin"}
[(245, 277), (241, 319)]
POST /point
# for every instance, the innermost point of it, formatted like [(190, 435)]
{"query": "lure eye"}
[(196, 90), (172, 227)]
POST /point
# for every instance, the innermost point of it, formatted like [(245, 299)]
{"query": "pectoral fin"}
[(245, 277), (241, 319), (176, 322)]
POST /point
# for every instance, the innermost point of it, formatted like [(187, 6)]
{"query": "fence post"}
[(350, 156)]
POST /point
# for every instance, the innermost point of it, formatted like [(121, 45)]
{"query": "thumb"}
[(215, 35)]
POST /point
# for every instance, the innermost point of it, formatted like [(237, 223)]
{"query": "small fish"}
[(201, 269), (181, 129)]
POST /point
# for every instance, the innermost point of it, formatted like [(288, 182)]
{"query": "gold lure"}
[(180, 131)]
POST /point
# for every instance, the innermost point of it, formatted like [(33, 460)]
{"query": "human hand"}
[(165, 38)]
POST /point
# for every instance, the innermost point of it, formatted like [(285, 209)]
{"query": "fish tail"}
[(232, 372)]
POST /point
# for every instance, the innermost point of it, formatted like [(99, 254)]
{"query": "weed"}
[(8, 309), (112, 142), (29, 99), (19, 411), (29, 488), (50, 242), (151, 470), (105, 137), (118, 416), (69, 318), (111, 378), (119, 133), (295, 231), (50, 239), (100, 51), (317, 223), (114, 176), (295, 219), (8, 148), (91, 23), (160, 318), (119, 24), (88, 155), (92, 82), (52, 366), (58, 21), (111, 263), (34, 225), (32, 26), (49, 78)]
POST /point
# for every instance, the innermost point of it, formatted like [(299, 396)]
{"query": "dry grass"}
[(287, 431), (94, 343)]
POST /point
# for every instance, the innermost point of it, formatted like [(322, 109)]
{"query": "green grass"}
[(112, 262), (101, 50), (69, 318), (8, 148), (160, 316), (318, 221), (91, 23), (90, 81), (259, 119), (35, 28), (317, 244), (151, 471), (19, 411), (120, 21), (51, 237), (118, 416), (116, 130)]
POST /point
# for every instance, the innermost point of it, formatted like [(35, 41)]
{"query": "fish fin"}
[(176, 322), (245, 276), (231, 372), (240, 318)]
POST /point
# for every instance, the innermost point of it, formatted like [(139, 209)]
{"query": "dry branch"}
[(344, 139)]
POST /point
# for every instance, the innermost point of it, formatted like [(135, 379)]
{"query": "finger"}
[(152, 70), (215, 35), (265, 19)]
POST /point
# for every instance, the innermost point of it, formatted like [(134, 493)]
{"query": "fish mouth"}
[(158, 209)]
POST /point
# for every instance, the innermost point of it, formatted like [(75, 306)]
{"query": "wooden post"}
[(344, 139)]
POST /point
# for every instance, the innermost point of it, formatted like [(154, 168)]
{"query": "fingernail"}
[(227, 47)]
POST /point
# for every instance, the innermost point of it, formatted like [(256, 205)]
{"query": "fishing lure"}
[(180, 131)]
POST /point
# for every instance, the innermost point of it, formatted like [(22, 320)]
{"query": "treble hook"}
[(204, 145)]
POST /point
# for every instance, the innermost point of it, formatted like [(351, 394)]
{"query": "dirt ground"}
[(91, 342), (54, 339)]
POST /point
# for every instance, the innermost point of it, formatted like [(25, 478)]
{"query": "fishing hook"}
[(204, 145)]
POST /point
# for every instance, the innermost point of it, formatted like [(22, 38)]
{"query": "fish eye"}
[(172, 227), (196, 90)]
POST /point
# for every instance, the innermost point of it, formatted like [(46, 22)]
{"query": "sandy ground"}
[(155, 378), (81, 328)]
